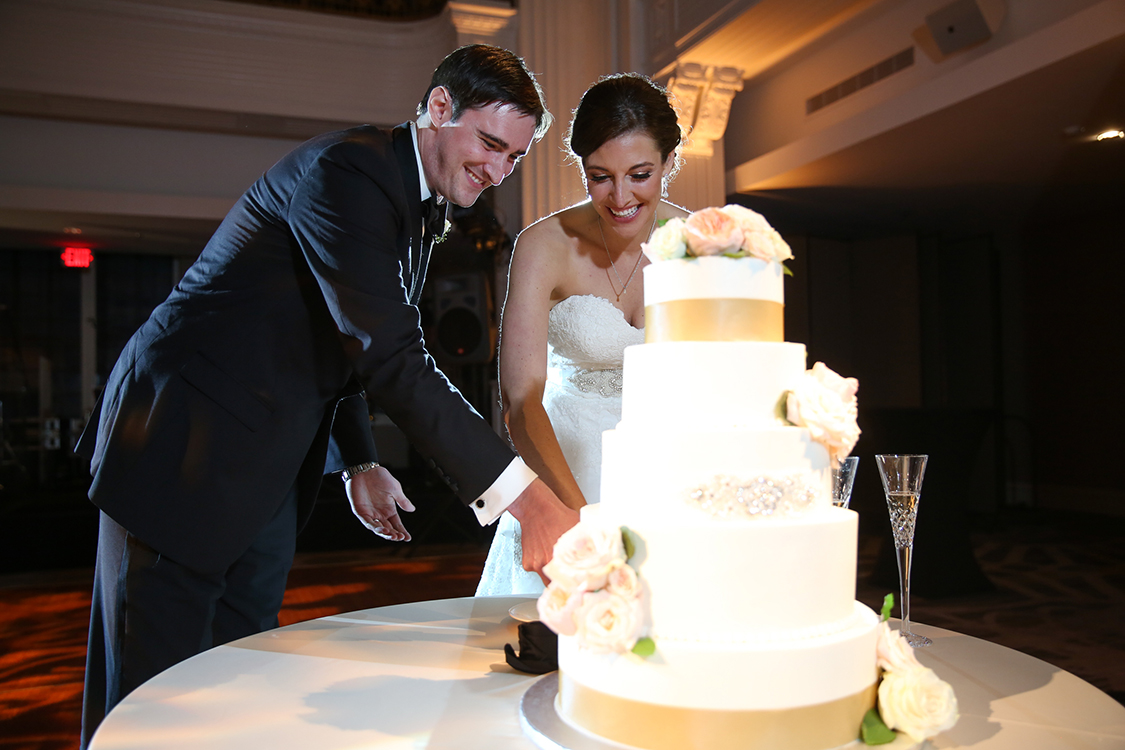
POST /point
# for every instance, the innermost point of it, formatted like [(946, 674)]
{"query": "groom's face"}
[(477, 150)]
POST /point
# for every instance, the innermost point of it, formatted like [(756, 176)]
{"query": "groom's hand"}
[(543, 519), (376, 498)]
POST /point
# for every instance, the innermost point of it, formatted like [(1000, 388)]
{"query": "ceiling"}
[(1022, 151), (1019, 151)]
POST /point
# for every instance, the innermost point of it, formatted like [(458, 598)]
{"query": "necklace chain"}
[(624, 284)]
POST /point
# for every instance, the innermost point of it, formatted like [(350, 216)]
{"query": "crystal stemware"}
[(902, 482), (843, 477)]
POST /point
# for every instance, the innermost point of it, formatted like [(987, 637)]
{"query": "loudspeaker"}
[(463, 328), (959, 25)]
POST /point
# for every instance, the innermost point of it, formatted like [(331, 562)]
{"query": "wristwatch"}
[(351, 471)]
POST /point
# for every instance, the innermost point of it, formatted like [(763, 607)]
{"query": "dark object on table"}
[(539, 649)]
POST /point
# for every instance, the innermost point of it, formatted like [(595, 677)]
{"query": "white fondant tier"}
[(713, 277), (725, 582), (735, 676), (708, 384), (649, 472)]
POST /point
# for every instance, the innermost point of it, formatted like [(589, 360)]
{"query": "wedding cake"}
[(733, 623)]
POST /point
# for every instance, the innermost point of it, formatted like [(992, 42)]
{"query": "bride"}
[(576, 300)]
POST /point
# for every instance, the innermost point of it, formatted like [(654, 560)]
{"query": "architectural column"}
[(703, 95), (568, 46), (493, 22)]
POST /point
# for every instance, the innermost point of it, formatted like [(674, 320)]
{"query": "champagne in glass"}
[(902, 482), (843, 477)]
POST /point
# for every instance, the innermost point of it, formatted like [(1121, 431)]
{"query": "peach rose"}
[(609, 623), (585, 555), (759, 239), (623, 581), (556, 608), (711, 231), (893, 652)]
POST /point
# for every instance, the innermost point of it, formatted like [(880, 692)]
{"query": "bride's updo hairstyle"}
[(620, 104)]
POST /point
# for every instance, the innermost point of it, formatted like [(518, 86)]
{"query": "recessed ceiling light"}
[(1106, 135)]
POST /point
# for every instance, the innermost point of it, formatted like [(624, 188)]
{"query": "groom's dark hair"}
[(479, 74)]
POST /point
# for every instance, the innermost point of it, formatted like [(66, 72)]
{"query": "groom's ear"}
[(439, 106)]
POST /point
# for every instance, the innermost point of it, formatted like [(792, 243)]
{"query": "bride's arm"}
[(539, 265)]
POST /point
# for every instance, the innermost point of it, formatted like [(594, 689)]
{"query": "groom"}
[(247, 384)]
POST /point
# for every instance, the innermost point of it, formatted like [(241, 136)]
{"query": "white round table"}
[(432, 675)]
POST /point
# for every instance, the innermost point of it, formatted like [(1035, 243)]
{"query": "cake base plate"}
[(544, 727)]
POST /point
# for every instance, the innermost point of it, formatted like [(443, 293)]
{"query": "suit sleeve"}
[(348, 218), (350, 442)]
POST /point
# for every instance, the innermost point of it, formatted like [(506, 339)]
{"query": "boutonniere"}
[(444, 232)]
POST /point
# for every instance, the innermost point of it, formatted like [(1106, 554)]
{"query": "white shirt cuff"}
[(503, 492)]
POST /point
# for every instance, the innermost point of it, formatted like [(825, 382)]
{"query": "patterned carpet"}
[(1059, 595)]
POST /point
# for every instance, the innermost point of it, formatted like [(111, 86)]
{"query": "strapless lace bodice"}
[(586, 338)]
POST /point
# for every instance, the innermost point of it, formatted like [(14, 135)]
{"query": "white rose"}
[(585, 555), (623, 581), (557, 607), (759, 239), (893, 652), (917, 703), (608, 623), (824, 403), (667, 242)]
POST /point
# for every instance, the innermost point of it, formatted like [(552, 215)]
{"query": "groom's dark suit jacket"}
[(248, 379)]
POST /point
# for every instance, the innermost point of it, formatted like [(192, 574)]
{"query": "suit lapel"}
[(416, 259)]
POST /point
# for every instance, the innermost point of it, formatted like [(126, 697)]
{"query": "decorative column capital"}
[(704, 93)]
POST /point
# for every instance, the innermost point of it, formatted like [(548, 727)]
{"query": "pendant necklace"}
[(625, 284)]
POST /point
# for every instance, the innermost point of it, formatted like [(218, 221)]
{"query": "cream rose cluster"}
[(912, 698), (594, 594), (733, 231), (824, 403)]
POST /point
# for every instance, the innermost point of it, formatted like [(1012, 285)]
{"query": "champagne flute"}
[(843, 477), (902, 482)]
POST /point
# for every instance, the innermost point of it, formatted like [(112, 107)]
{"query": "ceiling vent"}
[(861, 80)]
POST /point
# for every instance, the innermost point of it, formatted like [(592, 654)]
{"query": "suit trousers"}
[(150, 613)]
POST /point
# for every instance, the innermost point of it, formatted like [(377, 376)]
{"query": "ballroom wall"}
[(151, 116)]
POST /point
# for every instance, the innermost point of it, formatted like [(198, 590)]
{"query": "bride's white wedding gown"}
[(586, 338)]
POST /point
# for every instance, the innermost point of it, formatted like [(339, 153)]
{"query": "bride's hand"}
[(543, 519), (376, 498)]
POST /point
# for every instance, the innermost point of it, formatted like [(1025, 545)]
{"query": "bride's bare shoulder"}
[(556, 231)]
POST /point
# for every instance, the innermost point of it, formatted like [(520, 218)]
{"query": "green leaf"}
[(888, 605), (627, 540), (874, 731), (644, 647), (786, 270), (781, 411)]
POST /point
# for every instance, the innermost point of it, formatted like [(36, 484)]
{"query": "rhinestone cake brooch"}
[(727, 497)]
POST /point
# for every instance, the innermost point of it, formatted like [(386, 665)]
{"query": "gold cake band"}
[(721, 319), (656, 727)]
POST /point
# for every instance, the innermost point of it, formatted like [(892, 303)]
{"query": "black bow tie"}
[(433, 216)]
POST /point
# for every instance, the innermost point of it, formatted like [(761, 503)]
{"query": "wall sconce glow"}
[(77, 257), (1106, 135)]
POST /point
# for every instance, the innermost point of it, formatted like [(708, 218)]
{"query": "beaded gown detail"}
[(586, 340)]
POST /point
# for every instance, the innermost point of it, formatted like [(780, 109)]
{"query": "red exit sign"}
[(77, 257)]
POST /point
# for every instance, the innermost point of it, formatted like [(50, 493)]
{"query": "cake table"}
[(432, 675)]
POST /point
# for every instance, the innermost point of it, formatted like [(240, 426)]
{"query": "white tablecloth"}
[(432, 675)]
